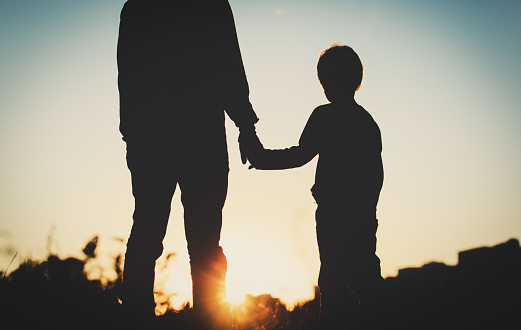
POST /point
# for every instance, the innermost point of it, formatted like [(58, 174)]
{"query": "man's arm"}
[(232, 81)]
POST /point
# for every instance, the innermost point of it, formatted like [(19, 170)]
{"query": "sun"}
[(259, 266)]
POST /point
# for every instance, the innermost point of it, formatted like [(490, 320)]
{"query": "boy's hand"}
[(249, 144)]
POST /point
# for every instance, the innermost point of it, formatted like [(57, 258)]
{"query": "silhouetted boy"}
[(180, 68), (348, 181)]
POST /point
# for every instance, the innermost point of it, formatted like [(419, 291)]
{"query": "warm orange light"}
[(257, 266)]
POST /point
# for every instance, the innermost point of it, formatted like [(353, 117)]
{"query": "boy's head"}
[(340, 72)]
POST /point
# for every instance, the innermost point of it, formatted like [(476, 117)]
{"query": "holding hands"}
[(249, 145)]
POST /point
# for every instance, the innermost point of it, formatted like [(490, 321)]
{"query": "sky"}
[(441, 79)]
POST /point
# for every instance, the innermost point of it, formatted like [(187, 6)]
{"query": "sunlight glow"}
[(257, 266)]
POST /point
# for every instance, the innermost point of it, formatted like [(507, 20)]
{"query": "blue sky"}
[(442, 80)]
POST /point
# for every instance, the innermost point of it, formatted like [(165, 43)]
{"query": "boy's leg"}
[(347, 246), (203, 195), (364, 273), (153, 184), (332, 281)]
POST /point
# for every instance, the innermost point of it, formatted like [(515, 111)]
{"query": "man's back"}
[(179, 63)]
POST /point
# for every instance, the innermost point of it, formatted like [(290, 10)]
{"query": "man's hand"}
[(249, 144)]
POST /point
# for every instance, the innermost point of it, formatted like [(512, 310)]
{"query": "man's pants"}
[(347, 246), (156, 169)]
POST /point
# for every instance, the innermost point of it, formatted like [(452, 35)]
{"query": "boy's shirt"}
[(349, 145)]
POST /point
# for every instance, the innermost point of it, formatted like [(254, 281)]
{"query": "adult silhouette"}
[(180, 69)]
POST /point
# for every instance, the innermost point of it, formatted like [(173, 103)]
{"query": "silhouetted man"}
[(180, 68)]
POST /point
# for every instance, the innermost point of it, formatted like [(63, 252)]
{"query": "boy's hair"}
[(339, 67)]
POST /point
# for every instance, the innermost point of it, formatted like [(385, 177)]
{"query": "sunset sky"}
[(442, 80)]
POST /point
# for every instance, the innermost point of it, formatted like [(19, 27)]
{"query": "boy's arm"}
[(279, 159), (273, 159)]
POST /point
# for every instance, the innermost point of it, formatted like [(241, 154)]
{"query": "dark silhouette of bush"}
[(56, 294)]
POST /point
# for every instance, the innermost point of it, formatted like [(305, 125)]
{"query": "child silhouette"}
[(348, 181)]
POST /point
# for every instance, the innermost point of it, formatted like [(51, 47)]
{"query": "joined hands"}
[(249, 145)]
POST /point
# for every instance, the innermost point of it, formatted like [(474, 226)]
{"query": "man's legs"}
[(153, 185), (203, 193)]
